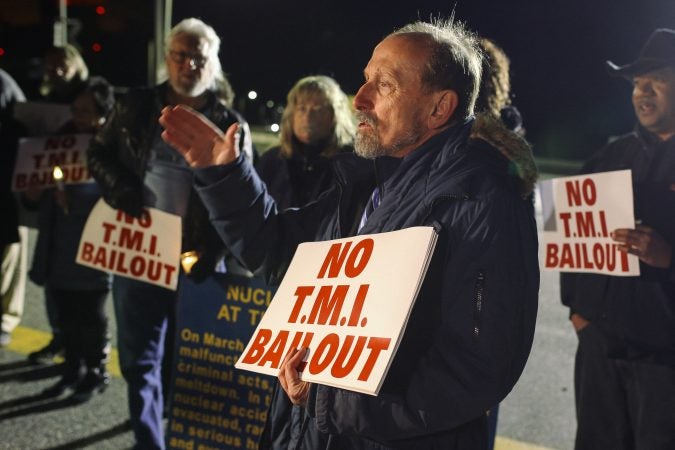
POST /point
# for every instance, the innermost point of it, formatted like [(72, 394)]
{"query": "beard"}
[(191, 85), (191, 90), (367, 143)]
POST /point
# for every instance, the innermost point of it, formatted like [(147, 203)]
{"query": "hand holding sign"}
[(578, 214), (145, 249), (344, 304), (289, 377), (645, 243), (37, 159), (201, 143)]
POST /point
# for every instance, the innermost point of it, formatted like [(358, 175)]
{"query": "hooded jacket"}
[(471, 329)]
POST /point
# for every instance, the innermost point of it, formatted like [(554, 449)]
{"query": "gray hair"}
[(343, 119), (455, 61), (197, 28)]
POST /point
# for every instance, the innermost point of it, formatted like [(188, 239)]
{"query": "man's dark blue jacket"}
[(471, 329)]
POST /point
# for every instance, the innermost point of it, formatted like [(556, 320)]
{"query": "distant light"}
[(188, 259), (252, 95), (57, 173), (274, 127), (2, 51), (96, 47), (269, 104), (100, 10)]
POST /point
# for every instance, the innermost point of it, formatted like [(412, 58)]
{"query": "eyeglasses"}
[(197, 61)]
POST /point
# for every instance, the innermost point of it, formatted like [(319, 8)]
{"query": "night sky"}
[(557, 48)]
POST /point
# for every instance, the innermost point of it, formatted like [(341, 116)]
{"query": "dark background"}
[(557, 48)]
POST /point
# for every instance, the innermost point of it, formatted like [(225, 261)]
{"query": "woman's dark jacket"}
[(296, 180), (58, 240)]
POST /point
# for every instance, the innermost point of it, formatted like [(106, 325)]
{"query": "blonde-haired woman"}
[(316, 125)]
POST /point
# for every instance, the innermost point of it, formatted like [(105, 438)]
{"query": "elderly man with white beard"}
[(136, 169)]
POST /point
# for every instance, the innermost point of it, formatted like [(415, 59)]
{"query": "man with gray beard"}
[(136, 169), (430, 162), (368, 145)]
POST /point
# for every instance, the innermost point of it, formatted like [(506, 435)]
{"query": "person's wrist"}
[(578, 322)]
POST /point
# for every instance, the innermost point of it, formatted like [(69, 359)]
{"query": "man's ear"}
[(445, 104)]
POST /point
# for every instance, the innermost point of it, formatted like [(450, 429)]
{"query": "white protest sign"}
[(579, 213), (37, 157), (145, 249), (348, 301)]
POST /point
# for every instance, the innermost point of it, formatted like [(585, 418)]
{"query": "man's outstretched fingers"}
[(200, 141)]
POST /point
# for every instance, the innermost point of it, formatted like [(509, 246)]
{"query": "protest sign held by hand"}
[(348, 302), (145, 249), (37, 159), (579, 214)]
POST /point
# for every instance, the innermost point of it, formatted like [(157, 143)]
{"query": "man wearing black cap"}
[(625, 362)]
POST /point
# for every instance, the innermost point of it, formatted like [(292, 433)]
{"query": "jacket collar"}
[(392, 171), (387, 171), (650, 139)]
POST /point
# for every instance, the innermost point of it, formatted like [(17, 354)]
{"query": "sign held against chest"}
[(348, 301)]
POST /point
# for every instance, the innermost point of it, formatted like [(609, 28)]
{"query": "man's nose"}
[(362, 99), (644, 88)]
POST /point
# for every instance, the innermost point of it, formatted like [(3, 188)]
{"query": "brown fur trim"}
[(511, 145)]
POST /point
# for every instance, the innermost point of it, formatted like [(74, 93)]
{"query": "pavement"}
[(537, 415), (30, 421)]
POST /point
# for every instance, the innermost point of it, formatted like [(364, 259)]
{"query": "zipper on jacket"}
[(479, 303)]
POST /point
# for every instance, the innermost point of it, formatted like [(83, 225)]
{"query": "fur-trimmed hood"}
[(514, 147)]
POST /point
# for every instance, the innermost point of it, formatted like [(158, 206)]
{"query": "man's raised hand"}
[(201, 143)]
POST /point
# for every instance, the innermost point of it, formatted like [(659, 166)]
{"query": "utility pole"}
[(162, 25), (61, 25)]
